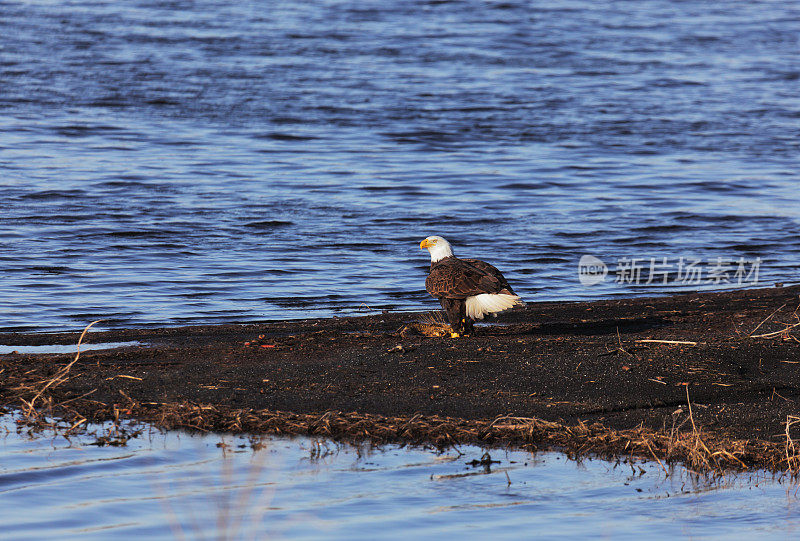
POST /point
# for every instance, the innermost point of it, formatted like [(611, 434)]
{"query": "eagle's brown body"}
[(455, 278)]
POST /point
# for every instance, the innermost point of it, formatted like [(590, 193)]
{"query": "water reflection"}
[(176, 485), (69, 348)]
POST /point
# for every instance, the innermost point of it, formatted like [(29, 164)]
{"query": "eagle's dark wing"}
[(452, 278), (485, 267)]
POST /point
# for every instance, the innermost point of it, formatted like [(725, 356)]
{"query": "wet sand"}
[(574, 375)]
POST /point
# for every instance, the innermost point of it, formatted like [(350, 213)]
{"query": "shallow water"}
[(174, 485), (217, 161), (58, 348)]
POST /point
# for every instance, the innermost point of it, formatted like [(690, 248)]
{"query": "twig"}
[(60, 376), (791, 450), (656, 457), (619, 349), (124, 376), (668, 342), (768, 318), (691, 415), (776, 393), (77, 397), (775, 333)]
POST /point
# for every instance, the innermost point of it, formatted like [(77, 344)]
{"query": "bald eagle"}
[(467, 288)]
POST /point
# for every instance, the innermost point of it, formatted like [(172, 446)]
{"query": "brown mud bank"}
[(609, 378)]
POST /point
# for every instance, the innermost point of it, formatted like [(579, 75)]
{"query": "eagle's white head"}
[(437, 246)]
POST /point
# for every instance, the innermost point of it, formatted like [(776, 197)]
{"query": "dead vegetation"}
[(39, 388), (41, 410), (792, 455), (431, 324), (685, 443), (785, 332), (702, 452)]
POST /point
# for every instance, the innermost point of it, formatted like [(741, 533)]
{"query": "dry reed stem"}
[(776, 333), (767, 319), (792, 458), (658, 459), (699, 453), (783, 333), (691, 417), (58, 379), (667, 342)]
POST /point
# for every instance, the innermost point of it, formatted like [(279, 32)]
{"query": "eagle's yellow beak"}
[(425, 244)]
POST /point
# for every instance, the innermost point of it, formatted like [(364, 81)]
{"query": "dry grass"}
[(700, 451), (431, 324), (41, 410), (792, 455), (670, 342), (698, 455), (784, 333), (29, 406)]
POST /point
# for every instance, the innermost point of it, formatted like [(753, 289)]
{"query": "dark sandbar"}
[(572, 375)]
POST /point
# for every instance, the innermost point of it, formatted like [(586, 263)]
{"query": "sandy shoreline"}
[(579, 376)]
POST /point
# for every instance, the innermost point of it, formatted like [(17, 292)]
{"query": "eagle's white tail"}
[(487, 303)]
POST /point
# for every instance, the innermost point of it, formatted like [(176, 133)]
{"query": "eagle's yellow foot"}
[(454, 335)]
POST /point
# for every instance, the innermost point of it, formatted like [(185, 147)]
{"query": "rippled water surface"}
[(163, 163), (176, 486)]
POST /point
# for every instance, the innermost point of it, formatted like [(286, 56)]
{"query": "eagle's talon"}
[(455, 335)]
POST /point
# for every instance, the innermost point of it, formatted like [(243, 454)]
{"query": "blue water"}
[(165, 163), (176, 486)]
